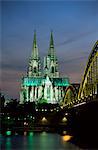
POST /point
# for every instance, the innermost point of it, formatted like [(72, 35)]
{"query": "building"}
[(43, 85)]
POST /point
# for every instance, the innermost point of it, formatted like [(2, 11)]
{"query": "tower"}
[(34, 69), (50, 61)]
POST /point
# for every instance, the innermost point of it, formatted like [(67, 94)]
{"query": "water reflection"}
[(66, 138), (8, 143), (25, 133), (31, 133), (36, 141)]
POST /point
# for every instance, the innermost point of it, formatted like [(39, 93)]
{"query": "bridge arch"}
[(70, 95), (89, 84)]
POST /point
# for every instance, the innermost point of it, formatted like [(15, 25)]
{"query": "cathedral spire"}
[(51, 52), (34, 69), (34, 40), (35, 48), (51, 41)]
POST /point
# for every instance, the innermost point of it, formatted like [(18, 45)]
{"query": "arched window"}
[(35, 70), (52, 69), (24, 95)]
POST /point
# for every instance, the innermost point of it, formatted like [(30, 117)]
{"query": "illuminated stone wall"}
[(43, 85), (50, 90)]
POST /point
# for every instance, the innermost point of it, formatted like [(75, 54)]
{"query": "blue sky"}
[(75, 30)]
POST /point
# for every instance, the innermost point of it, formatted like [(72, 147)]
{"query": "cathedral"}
[(43, 85)]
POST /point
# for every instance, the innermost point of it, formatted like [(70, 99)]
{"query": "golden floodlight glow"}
[(64, 132), (66, 138), (64, 119), (44, 119)]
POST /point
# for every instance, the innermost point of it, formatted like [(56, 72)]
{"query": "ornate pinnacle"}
[(51, 41)]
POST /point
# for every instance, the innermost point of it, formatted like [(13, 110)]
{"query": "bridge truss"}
[(89, 85)]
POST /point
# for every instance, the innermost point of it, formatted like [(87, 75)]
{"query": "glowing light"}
[(44, 119), (8, 143), (43, 133), (79, 104), (25, 123), (61, 107), (64, 119), (25, 133), (31, 133), (64, 132), (33, 118), (39, 81), (66, 114), (8, 117), (8, 132), (66, 138), (32, 81)]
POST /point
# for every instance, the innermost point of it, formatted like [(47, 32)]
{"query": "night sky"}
[(75, 30)]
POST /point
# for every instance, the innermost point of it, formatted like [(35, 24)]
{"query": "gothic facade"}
[(43, 85)]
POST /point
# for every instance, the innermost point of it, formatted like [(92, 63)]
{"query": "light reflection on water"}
[(36, 141), (66, 138)]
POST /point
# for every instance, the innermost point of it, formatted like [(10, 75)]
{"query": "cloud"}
[(11, 89), (77, 37), (12, 63), (13, 66), (73, 68), (72, 60), (10, 83)]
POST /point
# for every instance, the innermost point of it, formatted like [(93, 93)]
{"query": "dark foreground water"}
[(36, 141)]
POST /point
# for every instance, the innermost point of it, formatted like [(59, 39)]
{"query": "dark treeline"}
[(15, 115)]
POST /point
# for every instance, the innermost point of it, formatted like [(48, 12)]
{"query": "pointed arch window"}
[(35, 69), (52, 69)]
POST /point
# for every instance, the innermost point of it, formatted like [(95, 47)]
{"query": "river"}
[(36, 141)]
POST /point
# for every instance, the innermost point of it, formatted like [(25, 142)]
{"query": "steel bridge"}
[(89, 86)]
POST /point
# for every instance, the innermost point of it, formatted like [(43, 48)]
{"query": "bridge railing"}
[(81, 101)]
